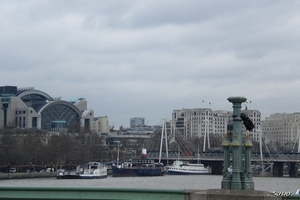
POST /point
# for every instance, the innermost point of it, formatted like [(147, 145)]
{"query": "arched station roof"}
[(61, 102), (34, 98), (35, 92), (60, 110)]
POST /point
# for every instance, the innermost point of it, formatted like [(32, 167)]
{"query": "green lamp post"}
[(236, 144), (241, 176)]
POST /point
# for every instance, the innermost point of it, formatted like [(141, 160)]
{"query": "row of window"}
[(20, 112)]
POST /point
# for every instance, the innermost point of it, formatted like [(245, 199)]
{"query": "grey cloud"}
[(146, 58)]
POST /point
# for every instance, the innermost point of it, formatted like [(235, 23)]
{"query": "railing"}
[(51, 193), (54, 193)]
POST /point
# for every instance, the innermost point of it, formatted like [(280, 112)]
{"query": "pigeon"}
[(247, 122)]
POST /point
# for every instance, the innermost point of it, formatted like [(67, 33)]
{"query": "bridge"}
[(218, 156), (215, 160)]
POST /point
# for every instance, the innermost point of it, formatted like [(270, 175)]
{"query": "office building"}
[(198, 122), (282, 127)]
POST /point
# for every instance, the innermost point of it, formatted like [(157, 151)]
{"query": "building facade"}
[(282, 127), (101, 124), (204, 122), (198, 122), (29, 108), (137, 121)]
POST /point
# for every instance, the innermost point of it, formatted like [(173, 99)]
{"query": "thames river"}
[(202, 182)]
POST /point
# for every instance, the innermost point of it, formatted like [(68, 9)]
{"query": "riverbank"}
[(4, 176)]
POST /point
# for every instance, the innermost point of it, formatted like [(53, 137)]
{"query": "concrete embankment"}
[(26, 175)]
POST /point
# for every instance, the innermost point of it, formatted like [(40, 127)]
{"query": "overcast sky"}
[(148, 58)]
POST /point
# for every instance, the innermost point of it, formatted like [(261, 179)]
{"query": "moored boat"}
[(181, 168), (64, 174), (94, 170), (143, 167), (138, 168), (91, 170)]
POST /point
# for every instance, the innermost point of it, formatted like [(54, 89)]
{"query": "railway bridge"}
[(276, 161)]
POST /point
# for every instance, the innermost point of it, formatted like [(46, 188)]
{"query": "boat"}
[(90, 170), (143, 167), (185, 168), (181, 168), (94, 170), (64, 174), (138, 168)]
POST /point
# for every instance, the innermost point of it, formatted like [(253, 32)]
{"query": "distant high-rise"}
[(137, 122)]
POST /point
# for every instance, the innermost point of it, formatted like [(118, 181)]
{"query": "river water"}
[(198, 182)]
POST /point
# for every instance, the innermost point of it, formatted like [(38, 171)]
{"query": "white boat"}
[(93, 170), (181, 168)]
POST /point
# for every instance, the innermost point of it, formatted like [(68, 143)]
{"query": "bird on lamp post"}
[(247, 122)]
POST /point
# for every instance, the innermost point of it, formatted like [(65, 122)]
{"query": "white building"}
[(101, 124), (204, 122), (198, 122), (282, 127)]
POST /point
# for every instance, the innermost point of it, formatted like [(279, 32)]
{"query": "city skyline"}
[(147, 59)]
